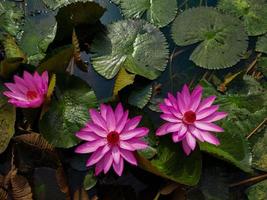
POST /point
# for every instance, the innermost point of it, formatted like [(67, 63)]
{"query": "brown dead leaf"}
[(3, 194), (80, 194), (62, 182)]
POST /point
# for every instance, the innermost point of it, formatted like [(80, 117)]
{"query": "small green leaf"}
[(38, 33), (262, 44), (123, 79), (136, 45), (157, 12), (7, 121), (89, 180), (141, 97), (257, 191), (148, 153), (11, 48), (10, 17), (68, 112), (252, 12), (222, 39)]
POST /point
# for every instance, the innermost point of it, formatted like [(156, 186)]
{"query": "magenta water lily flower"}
[(189, 119), (111, 137), (29, 91)]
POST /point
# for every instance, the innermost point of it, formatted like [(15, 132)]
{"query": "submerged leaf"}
[(252, 12), (10, 17), (68, 112), (137, 46), (157, 12), (222, 39), (141, 97), (257, 191), (262, 44), (21, 188), (7, 121), (122, 80)]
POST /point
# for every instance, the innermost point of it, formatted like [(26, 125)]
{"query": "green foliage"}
[(7, 121), (10, 17), (157, 12), (68, 112), (137, 46), (89, 180), (222, 39), (252, 12), (262, 44), (257, 191), (141, 97)]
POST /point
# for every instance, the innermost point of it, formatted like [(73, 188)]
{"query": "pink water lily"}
[(189, 119), (29, 91), (111, 137)]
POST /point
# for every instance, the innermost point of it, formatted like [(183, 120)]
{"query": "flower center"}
[(31, 95), (113, 138), (189, 117)]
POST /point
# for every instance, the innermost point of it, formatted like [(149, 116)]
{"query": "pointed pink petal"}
[(191, 141), (162, 129), (169, 118), (88, 136), (126, 145), (137, 144), (90, 147), (108, 160), (167, 102), (210, 138), (129, 157), (138, 132), (97, 119), (16, 96), (132, 123), (178, 136), (45, 77), (196, 133), (185, 146), (206, 112), (13, 87), (121, 124), (185, 94), (111, 120), (28, 78), (99, 167), (119, 112), (164, 108), (206, 126), (96, 129), (206, 103), (173, 101), (176, 113), (196, 98), (97, 155), (116, 154), (215, 117), (181, 103), (39, 82), (19, 81), (118, 168), (103, 111), (174, 127)]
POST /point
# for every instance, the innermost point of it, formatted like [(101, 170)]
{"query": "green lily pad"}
[(7, 121), (252, 12), (257, 191), (136, 45), (68, 112), (262, 44), (221, 38), (89, 180), (10, 17), (157, 12), (141, 97)]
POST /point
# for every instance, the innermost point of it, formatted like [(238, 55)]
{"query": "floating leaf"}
[(68, 112), (20, 188), (54, 4), (10, 17), (11, 48), (35, 140), (252, 12), (141, 97), (57, 61), (222, 39), (89, 180), (137, 46), (257, 191), (157, 12), (122, 80), (7, 121), (262, 44), (38, 32)]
